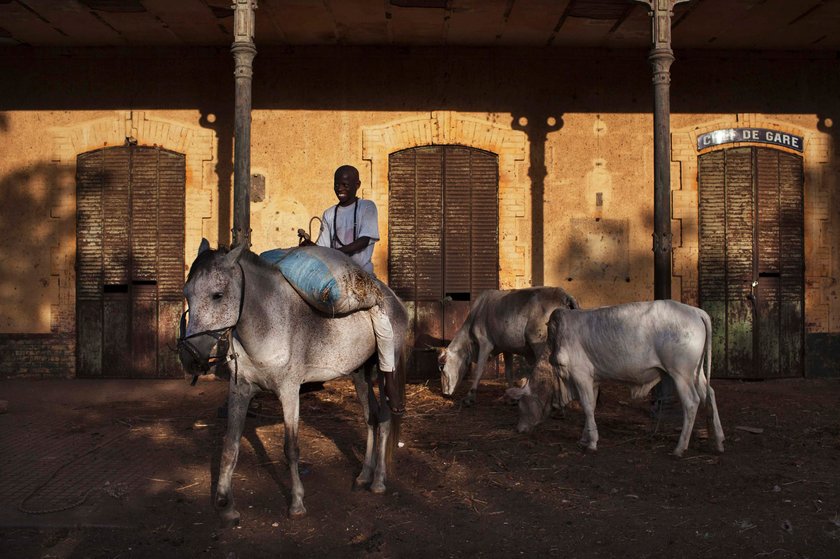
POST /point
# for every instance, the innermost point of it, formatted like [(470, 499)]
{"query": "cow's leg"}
[(239, 397), (586, 394), (290, 400), (713, 419), (690, 400), (508, 357), (483, 355), (364, 390)]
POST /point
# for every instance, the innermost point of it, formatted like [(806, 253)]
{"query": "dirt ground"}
[(466, 484)]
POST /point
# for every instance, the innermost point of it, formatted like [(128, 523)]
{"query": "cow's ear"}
[(516, 392), (205, 245), (441, 355)]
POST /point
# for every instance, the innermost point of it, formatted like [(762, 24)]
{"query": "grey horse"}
[(278, 342)]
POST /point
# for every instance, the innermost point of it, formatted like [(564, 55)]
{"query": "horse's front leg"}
[(239, 397), (290, 400)]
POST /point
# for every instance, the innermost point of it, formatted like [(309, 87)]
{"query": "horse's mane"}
[(256, 260), (204, 260)]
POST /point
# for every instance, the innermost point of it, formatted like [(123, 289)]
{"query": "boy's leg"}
[(385, 349)]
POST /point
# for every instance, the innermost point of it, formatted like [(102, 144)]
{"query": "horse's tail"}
[(396, 420)]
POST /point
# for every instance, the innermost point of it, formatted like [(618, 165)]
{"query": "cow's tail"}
[(704, 378)]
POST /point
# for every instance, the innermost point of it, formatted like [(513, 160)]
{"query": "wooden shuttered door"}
[(130, 246), (752, 260), (443, 239)]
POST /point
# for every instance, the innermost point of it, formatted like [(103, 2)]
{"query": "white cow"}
[(501, 321), (634, 343)]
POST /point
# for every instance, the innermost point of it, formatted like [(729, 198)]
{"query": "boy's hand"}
[(303, 234)]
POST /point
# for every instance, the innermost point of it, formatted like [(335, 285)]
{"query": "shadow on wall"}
[(599, 264), (221, 123), (831, 126), (39, 216), (537, 124)]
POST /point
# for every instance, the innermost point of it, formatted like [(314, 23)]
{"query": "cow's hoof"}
[(297, 511), (678, 453), (588, 447), (719, 448), (377, 488), (230, 519)]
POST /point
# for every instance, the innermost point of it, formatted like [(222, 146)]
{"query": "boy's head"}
[(346, 183)]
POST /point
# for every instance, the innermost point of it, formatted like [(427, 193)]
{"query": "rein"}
[(218, 333), (335, 239)]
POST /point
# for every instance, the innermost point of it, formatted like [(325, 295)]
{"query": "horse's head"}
[(214, 293)]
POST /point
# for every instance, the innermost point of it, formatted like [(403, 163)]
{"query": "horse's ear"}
[(205, 245), (232, 257)]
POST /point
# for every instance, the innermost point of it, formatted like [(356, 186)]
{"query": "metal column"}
[(244, 51), (661, 56)]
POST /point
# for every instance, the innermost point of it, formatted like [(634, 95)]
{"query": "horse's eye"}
[(217, 296)]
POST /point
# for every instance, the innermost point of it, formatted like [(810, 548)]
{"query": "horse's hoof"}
[(297, 512), (677, 453), (377, 488), (360, 483)]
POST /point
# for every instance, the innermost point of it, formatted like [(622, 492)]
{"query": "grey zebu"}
[(501, 321), (281, 342), (634, 343)]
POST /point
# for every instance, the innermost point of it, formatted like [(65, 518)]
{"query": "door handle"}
[(751, 295)]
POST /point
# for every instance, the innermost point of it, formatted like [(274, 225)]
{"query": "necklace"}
[(335, 239)]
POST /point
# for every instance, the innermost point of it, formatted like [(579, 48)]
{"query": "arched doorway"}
[(443, 234), (751, 274), (130, 261)]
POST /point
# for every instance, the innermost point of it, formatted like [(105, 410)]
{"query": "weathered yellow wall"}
[(316, 110)]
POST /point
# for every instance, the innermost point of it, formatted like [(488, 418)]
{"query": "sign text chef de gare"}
[(759, 135)]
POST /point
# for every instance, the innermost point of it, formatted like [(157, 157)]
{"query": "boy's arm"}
[(359, 244)]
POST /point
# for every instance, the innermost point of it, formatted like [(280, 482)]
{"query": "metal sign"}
[(757, 135)]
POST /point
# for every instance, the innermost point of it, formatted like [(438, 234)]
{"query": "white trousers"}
[(384, 338)]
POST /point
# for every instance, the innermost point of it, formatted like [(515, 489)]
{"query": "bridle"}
[(207, 363)]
